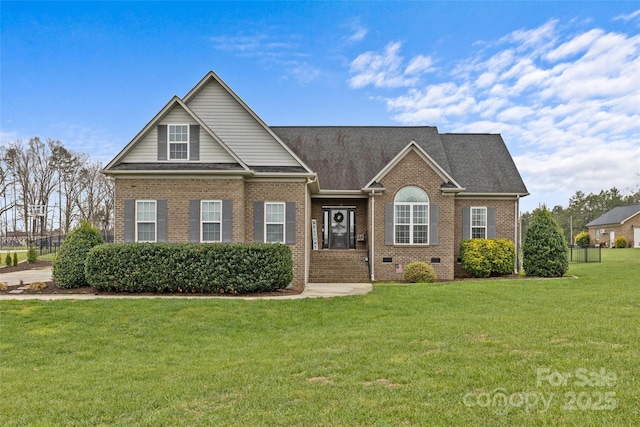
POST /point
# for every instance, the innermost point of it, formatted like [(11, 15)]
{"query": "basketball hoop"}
[(36, 211)]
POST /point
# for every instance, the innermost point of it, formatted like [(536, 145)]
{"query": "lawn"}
[(493, 352)]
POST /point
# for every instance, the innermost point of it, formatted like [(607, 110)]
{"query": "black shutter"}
[(227, 221), (466, 223), (194, 221), (129, 220), (161, 218), (388, 224), (290, 223), (162, 142), (433, 224), (491, 223), (258, 221), (194, 142)]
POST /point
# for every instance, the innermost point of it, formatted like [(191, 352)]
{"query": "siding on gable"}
[(146, 149), (238, 129)]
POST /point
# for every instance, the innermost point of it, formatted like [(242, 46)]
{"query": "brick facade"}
[(627, 230), (178, 191)]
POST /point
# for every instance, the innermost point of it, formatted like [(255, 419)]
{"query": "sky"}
[(560, 81)]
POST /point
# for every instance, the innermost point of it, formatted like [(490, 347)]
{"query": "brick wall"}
[(505, 221), (179, 191), (413, 171)]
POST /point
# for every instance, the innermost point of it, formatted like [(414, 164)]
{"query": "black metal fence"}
[(584, 254)]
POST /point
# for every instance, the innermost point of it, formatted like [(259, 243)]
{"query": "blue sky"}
[(559, 80)]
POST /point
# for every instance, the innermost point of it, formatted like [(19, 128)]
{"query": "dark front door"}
[(339, 228)]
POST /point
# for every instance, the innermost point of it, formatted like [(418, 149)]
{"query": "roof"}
[(349, 157), (617, 215)]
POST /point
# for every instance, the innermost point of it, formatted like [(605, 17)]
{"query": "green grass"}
[(401, 355)]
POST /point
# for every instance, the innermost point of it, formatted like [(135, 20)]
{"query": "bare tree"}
[(96, 200), (69, 167)]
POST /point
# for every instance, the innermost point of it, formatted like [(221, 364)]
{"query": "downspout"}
[(515, 240), (307, 249), (373, 236)]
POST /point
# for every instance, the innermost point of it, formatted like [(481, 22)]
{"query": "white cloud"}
[(567, 102), (628, 17), (385, 70)]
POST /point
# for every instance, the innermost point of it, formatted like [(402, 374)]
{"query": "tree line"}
[(584, 208), (67, 185)]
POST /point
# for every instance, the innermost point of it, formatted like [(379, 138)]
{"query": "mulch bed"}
[(52, 287)]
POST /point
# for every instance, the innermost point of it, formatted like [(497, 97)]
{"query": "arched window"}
[(411, 217)]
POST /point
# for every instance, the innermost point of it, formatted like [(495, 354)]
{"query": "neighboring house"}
[(353, 203), (620, 221)]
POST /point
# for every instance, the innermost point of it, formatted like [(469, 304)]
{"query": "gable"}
[(348, 157), (146, 148), (237, 126), (422, 159)]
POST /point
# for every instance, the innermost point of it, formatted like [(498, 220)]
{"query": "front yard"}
[(487, 352)]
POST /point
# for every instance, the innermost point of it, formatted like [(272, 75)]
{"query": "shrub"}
[(620, 242), (544, 250), (189, 267), (419, 272), (7, 260), (488, 257), (15, 259), (582, 239), (68, 267), (32, 255)]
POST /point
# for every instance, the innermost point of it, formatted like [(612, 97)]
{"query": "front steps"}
[(338, 266)]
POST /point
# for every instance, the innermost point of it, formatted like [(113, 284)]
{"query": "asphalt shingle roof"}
[(615, 215), (348, 157)]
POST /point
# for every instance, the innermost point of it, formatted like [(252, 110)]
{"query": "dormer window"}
[(178, 142)]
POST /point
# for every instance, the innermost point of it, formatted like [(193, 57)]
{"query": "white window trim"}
[(180, 142), (283, 223), (411, 223), (486, 222), (202, 221), (155, 222)]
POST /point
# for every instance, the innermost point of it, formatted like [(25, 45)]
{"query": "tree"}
[(545, 249)]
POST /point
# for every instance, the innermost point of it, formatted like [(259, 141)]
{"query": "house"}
[(353, 203), (620, 221)]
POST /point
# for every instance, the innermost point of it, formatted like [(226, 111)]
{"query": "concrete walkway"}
[(313, 290)]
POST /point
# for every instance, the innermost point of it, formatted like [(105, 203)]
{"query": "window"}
[(178, 142), (274, 222), (146, 221), (479, 223), (211, 220), (411, 217)]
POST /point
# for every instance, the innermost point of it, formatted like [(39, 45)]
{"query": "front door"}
[(339, 228)]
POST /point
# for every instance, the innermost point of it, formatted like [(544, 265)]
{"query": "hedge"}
[(419, 272), (488, 257), (187, 267)]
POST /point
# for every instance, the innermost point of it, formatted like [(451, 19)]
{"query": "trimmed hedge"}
[(419, 272), (68, 267), (488, 257), (190, 267)]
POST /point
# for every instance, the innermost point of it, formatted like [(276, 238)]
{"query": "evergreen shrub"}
[(544, 251), (488, 257), (190, 267), (620, 242), (419, 272), (582, 239), (8, 261), (15, 259), (68, 267), (32, 255)]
